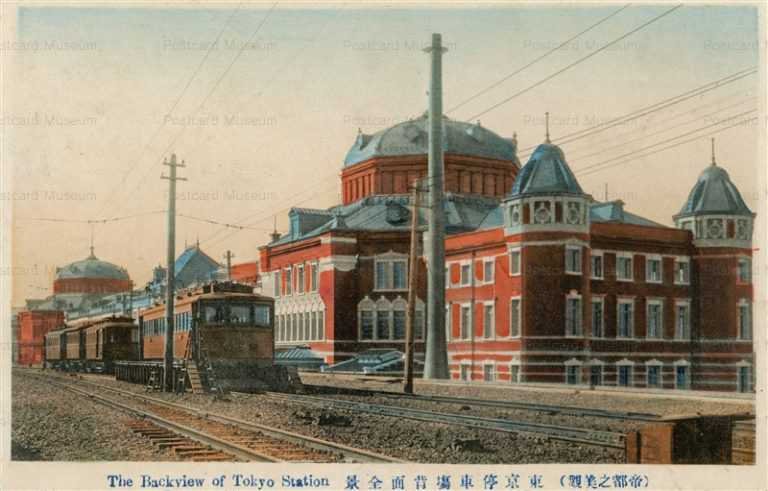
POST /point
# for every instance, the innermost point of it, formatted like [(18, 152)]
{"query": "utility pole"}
[(436, 358), (229, 257), (170, 293), (413, 270)]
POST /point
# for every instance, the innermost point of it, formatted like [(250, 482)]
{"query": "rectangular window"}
[(624, 268), (745, 379), (313, 268), (681, 377), (682, 321), (625, 319), (399, 275), (596, 375), (654, 376), (514, 262), (654, 318), (489, 324), (288, 280), (514, 374), (514, 317), (418, 324), (597, 317), (276, 286), (321, 325), (465, 372), (300, 279), (653, 270), (572, 374), (745, 275), (573, 260), (597, 266), (745, 329), (465, 322), (313, 334), (382, 324), (625, 376), (488, 373), (391, 275), (366, 324), (573, 316), (466, 274), (382, 280), (488, 271), (682, 272), (398, 319)]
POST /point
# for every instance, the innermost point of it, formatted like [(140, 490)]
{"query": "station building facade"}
[(544, 284)]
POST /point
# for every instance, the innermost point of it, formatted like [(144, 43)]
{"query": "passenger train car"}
[(223, 337), (92, 344)]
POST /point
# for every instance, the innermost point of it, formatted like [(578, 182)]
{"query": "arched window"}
[(399, 307), (365, 319)]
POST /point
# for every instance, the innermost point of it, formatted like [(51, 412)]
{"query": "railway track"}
[(554, 432), (198, 435), (525, 406)]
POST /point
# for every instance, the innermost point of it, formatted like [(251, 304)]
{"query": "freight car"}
[(92, 344), (223, 339)]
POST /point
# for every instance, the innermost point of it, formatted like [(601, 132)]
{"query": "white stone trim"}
[(338, 240)]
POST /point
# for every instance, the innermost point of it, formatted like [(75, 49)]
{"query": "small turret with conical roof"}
[(546, 194), (715, 211)]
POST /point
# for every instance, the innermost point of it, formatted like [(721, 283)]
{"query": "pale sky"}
[(87, 95)]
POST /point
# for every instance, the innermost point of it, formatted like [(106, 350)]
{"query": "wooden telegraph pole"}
[(228, 256), (170, 293), (413, 269)]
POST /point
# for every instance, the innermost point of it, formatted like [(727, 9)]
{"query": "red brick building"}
[(247, 273), (33, 325), (544, 284)]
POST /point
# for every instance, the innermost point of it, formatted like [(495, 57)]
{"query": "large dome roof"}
[(546, 172), (411, 138), (714, 193), (93, 268)]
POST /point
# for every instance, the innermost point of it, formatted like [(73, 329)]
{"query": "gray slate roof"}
[(388, 213), (411, 138), (613, 212), (91, 267), (714, 193), (546, 172)]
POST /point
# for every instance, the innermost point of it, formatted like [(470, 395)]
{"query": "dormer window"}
[(574, 213), (542, 213), (412, 132), (742, 229), (715, 228), (514, 214)]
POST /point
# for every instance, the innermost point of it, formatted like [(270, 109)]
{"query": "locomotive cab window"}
[(240, 314), (261, 315)]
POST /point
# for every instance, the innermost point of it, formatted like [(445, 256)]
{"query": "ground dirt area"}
[(49, 423)]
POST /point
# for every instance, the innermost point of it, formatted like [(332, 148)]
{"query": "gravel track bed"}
[(577, 398), (410, 440), (49, 423), (511, 414)]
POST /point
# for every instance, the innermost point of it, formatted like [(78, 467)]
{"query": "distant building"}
[(33, 326), (90, 276), (191, 267), (247, 272), (15, 334)]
